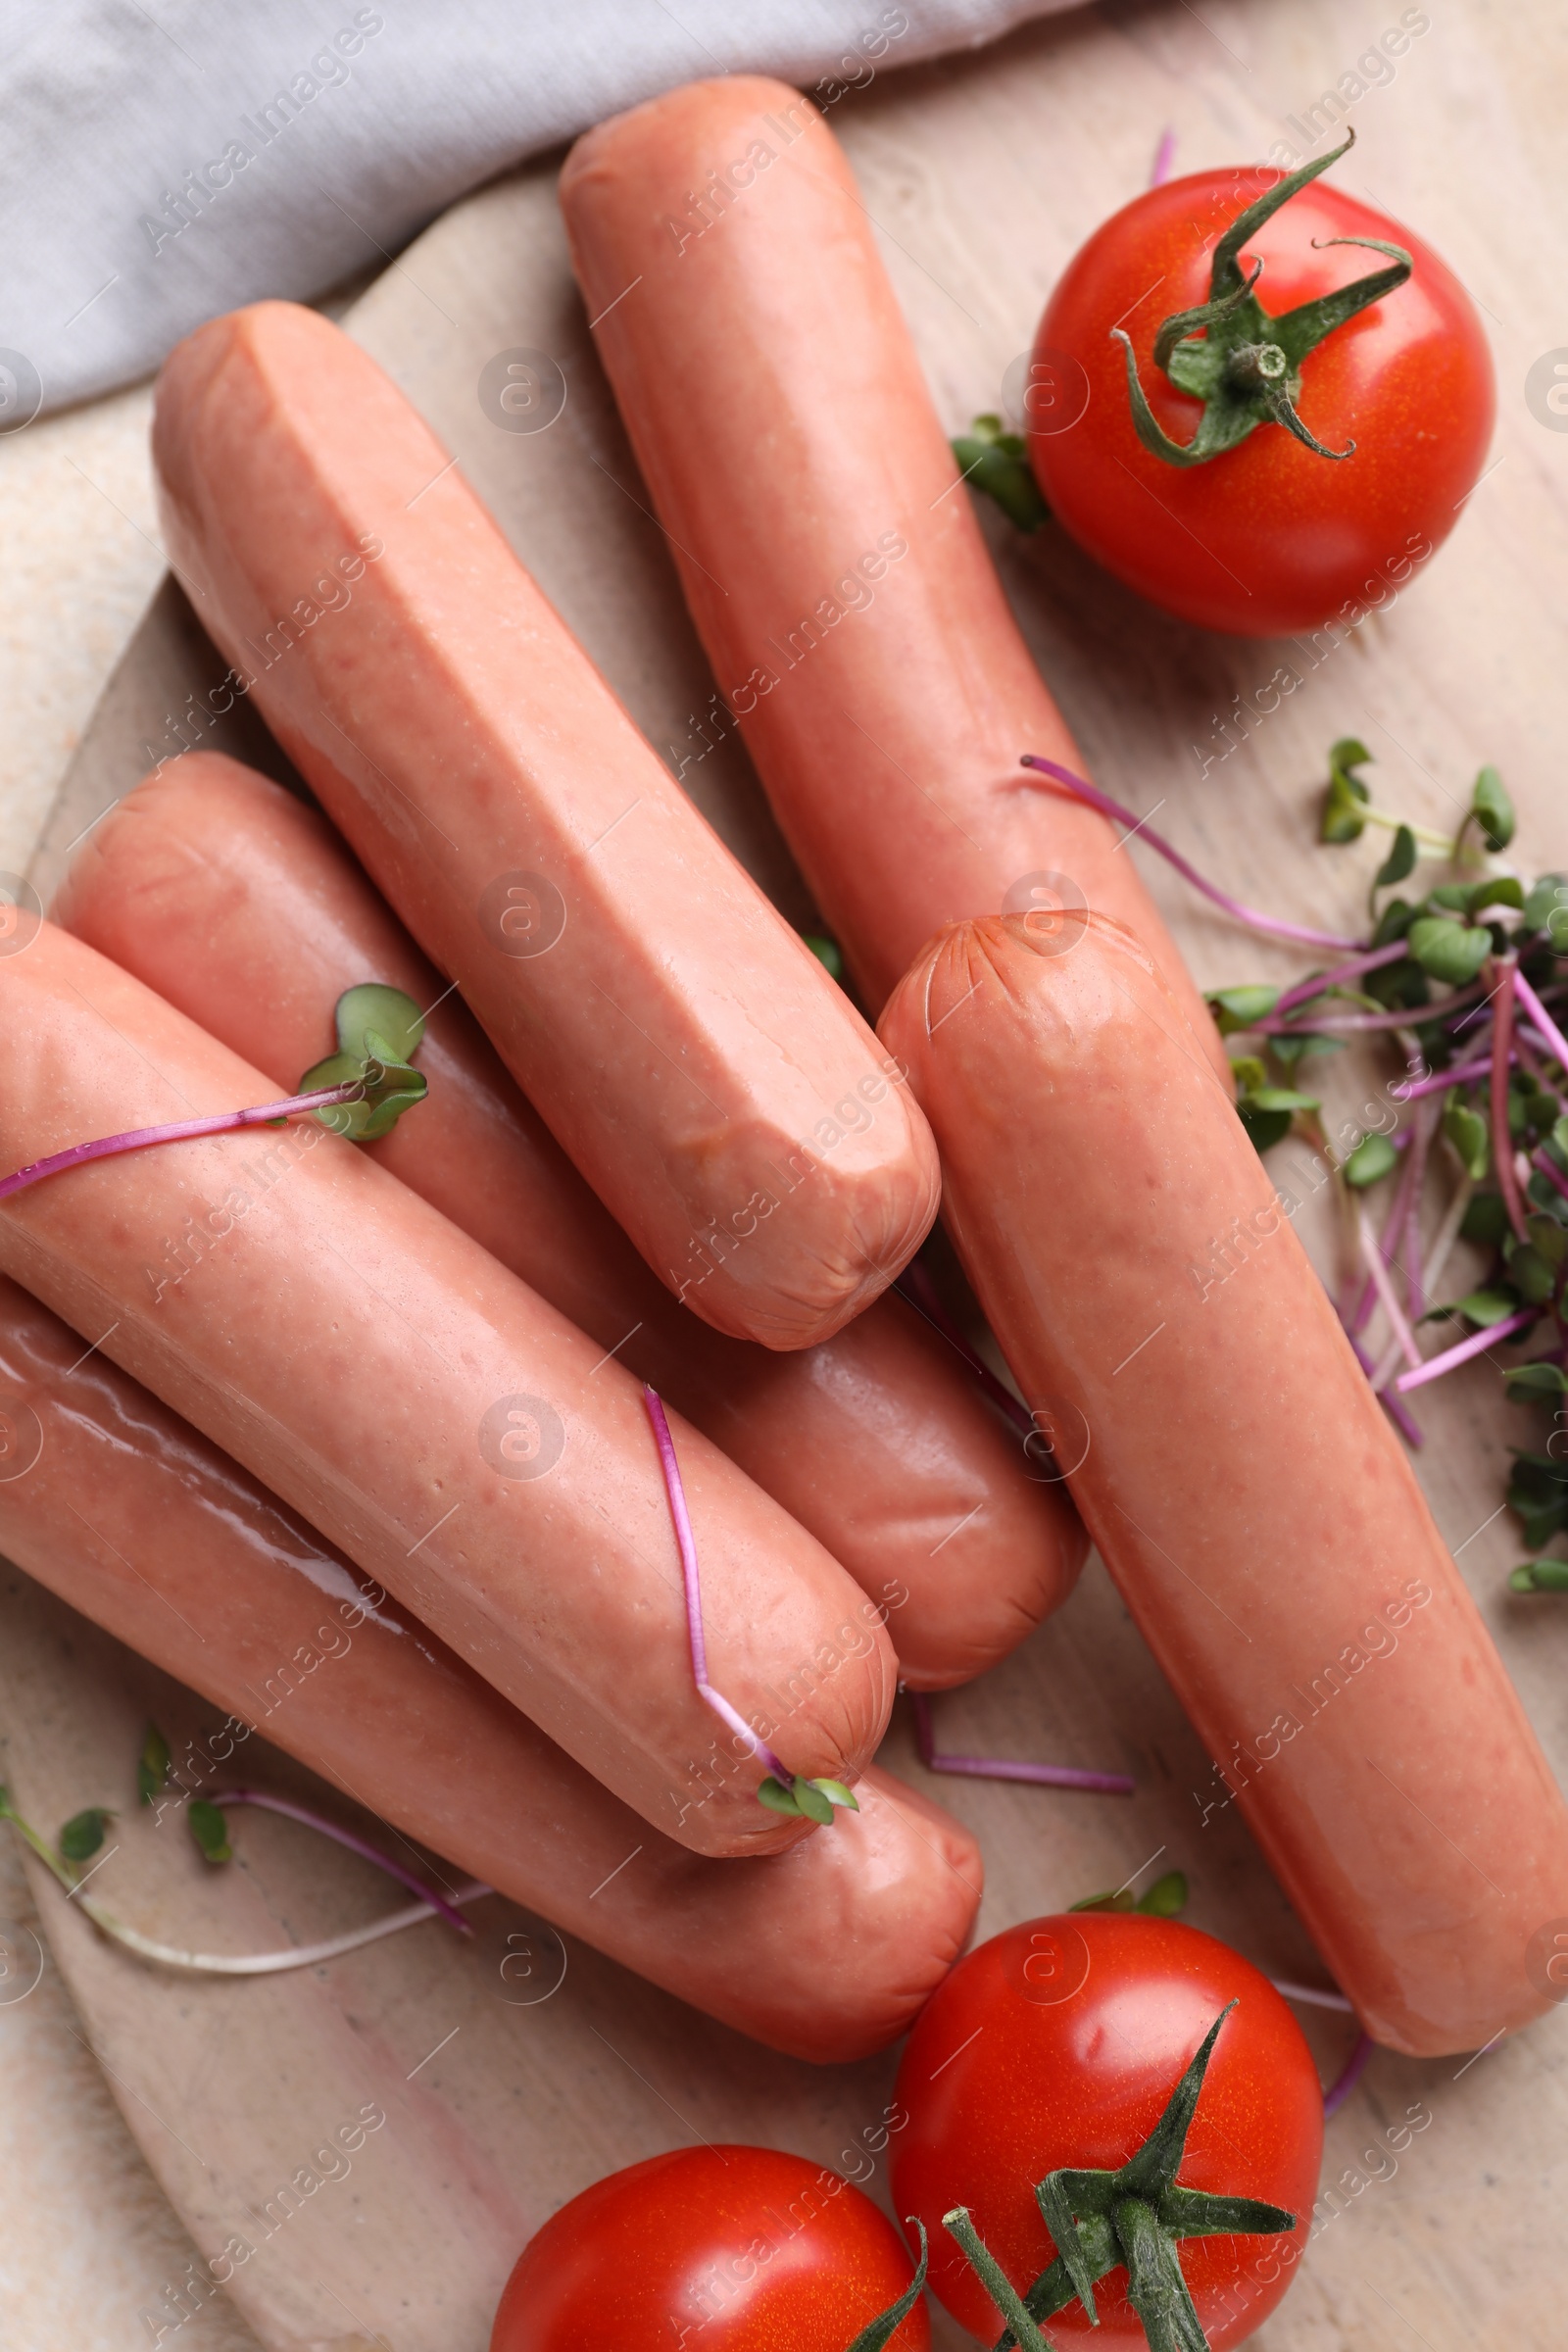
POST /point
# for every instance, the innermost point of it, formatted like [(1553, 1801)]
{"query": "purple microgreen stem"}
[(1249, 915), (221, 1964), (1412, 1089), (345, 1837), (136, 1137), (1552, 1037), (1526, 1047), (1506, 971), (1340, 2089), (1398, 1410), (1410, 1018), (1403, 1240), (692, 1579), (1476, 1345), (916, 1289), (1314, 1997), (1002, 1768), (1164, 157), (1306, 989), (1377, 1268), (1551, 1170)]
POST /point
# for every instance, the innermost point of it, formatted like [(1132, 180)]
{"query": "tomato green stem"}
[(1229, 353), (1133, 2218)]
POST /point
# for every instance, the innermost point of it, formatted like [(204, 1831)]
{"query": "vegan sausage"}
[(1234, 1467), (120, 1508), (462, 1442), (232, 900), (687, 1049), (832, 562)]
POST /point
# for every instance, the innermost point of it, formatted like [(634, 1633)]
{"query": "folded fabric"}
[(164, 163)]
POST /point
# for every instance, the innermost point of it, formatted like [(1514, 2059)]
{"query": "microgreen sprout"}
[(358, 1092), (1463, 978), (83, 1835), (782, 1792), (996, 462)]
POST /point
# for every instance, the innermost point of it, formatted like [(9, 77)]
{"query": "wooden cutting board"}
[(513, 2071)]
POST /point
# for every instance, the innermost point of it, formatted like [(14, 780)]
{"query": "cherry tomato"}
[(1060, 2043), (732, 2249), (1268, 538)]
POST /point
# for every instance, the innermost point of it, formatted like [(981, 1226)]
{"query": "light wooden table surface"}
[(984, 176)]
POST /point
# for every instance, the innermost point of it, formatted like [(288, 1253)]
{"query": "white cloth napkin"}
[(165, 160)]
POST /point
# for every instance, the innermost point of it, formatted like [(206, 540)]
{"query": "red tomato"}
[(737, 2249), (1268, 538), (1060, 2043)]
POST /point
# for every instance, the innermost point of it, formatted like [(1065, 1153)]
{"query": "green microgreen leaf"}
[(1484, 1308), (209, 1825), (1493, 809), (1291, 1049), (1535, 1383), (1394, 922), (1540, 1575), (1372, 1159), (1500, 890), (827, 953), (778, 1798), (1397, 987), (837, 1793), (1549, 1237), (1466, 1131), (1538, 1490), (1400, 861), (1264, 1128), (1448, 950), (1242, 1007), (1283, 1098), (1545, 907), (84, 1833), (998, 463), (1164, 1900), (811, 1801), (394, 1018), (1167, 1896), (1486, 1220), (152, 1765), (1346, 796), (1247, 1072), (378, 1027), (1531, 1275)]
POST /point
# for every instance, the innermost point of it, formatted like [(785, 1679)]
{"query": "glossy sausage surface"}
[(232, 900), (119, 1508), (458, 1438), (688, 1050), (1238, 1474), (832, 562)]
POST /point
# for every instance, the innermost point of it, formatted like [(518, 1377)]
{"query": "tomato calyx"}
[(1243, 365), (876, 2333), (1130, 2219)]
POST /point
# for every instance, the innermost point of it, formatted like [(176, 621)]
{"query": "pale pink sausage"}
[(120, 1508), (832, 564), (1238, 1474), (460, 1440), (231, 899), (689, 1052)]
